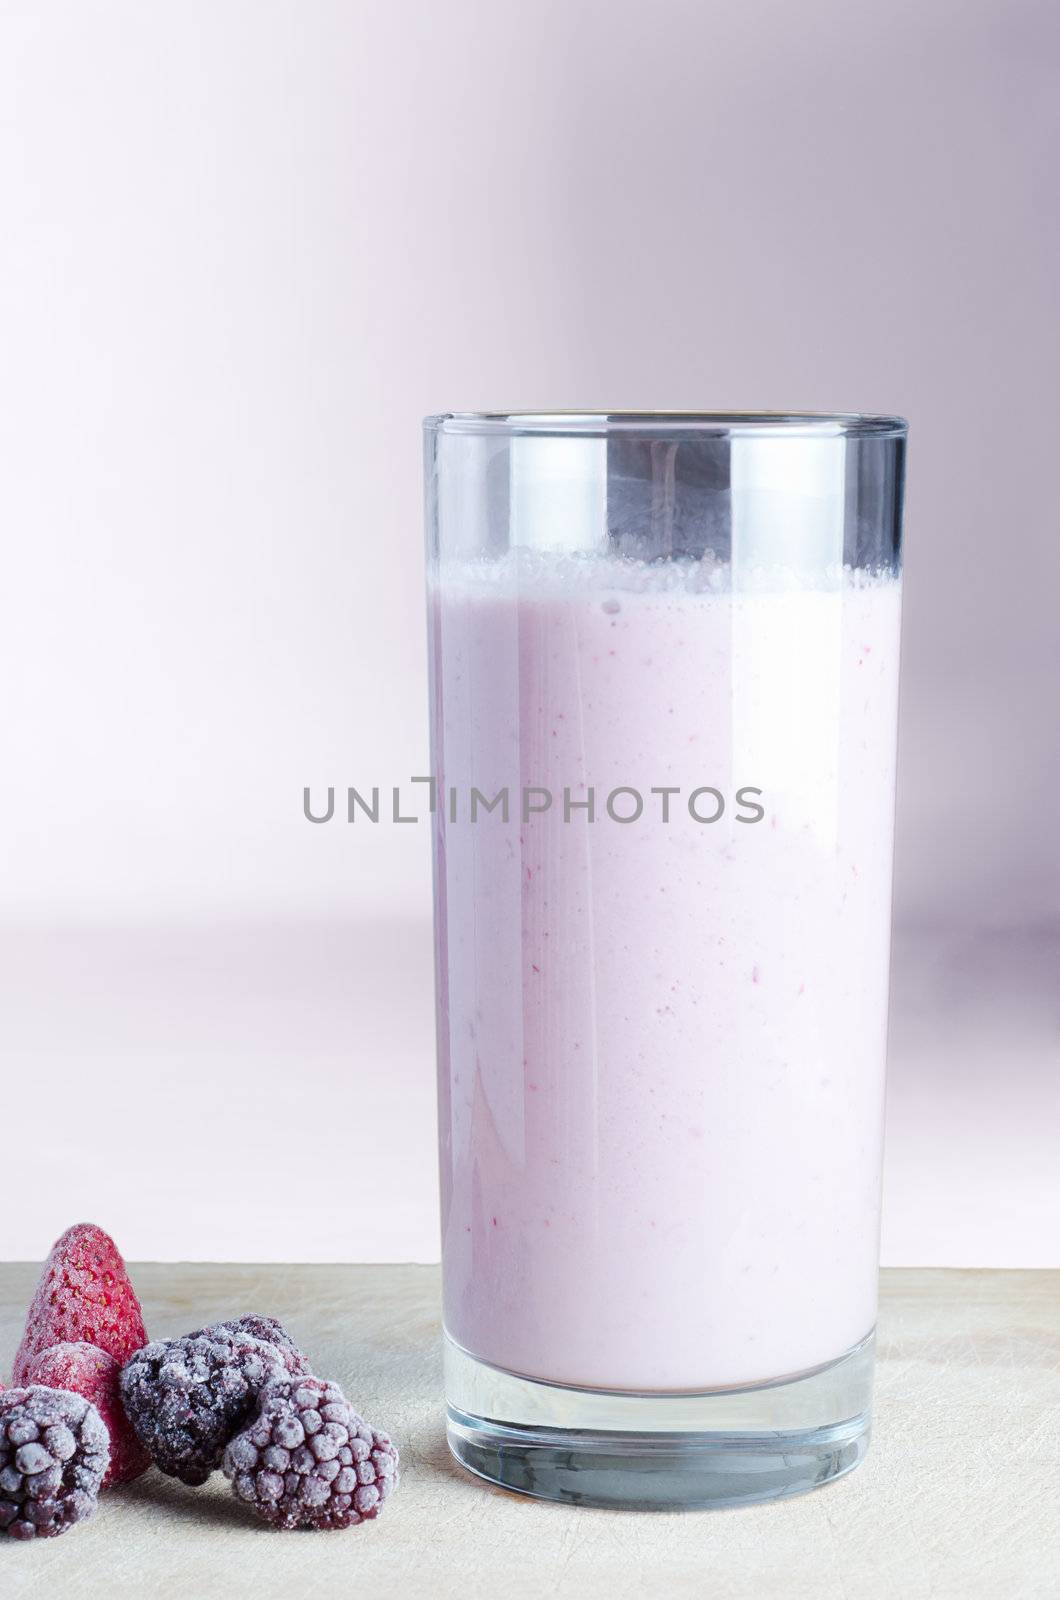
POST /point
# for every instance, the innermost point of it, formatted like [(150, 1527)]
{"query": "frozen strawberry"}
[(84, 1294), (88, 1371)]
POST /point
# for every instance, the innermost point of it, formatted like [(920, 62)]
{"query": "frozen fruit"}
[(307, 1460), (84, 1293), (88, 1371), (187, 1397), (53, 1455)]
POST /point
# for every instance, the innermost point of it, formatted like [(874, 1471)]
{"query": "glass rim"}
[(694, 424)]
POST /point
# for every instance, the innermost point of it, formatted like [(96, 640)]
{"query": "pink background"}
[(246, 247)]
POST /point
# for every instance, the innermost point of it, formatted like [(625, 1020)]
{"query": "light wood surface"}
[(959, 1496)]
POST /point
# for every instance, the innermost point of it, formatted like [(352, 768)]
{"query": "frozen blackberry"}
[(187, 1397), (308, 1460), (54, 1451)]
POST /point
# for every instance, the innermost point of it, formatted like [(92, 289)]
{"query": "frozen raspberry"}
[(308, 1460), (53, 1454), (94, 1374), (84, 1293), (187, 1397)]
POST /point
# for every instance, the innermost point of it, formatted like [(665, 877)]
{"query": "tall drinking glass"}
[(664, 685)]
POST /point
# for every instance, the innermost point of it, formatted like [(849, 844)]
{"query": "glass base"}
[(659, 1452)]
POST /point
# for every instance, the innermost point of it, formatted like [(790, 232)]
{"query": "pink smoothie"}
[(662, 1042)]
